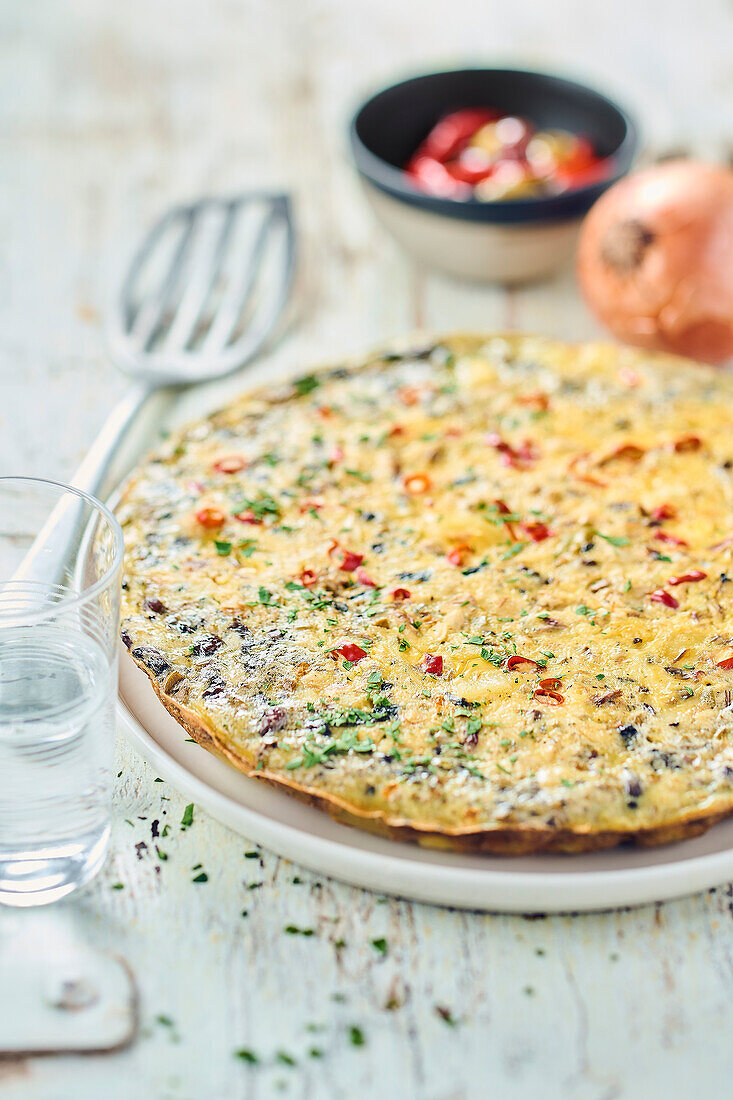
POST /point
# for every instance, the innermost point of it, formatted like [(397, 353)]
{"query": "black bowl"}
[(388, 128)]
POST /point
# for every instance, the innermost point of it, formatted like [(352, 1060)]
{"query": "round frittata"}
[(475, 593)]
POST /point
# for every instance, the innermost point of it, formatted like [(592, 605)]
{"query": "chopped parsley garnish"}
[(514, 549), (446, 1016), (305, 385), (615, 540), (261, 506), (223, 548)]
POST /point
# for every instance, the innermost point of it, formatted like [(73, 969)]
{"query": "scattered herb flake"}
[(247, 1055), (446, 1015), (356, 1036), (615, 540), (305, 385)]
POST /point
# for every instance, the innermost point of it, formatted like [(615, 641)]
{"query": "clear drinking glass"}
[(60, 562)]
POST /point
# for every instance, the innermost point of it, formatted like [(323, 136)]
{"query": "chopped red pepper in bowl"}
[(480, 153), (485, 173)]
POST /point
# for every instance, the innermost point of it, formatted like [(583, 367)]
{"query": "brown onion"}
[(655, 259)]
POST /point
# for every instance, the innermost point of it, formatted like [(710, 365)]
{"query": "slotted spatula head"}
[(206, 289)]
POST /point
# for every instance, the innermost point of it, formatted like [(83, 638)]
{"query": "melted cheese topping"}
[(297, 563)]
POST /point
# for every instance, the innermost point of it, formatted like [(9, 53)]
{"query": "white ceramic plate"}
[(526, 884)]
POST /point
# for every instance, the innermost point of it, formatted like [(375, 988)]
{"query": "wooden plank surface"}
[(107, 114)]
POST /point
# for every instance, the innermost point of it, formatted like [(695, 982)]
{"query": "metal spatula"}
[(200, 299)]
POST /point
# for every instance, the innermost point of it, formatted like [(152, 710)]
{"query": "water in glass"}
[(56, 738)]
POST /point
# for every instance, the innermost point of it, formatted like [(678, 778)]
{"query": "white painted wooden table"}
[(107, 114)]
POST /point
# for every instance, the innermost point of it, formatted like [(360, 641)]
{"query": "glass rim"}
[(97, 506)]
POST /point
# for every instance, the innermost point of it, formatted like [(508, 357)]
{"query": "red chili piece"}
[(630, 451), (629, 377), (660, 596), (212, 518), (363, 578), (517, 661), (457, 555), (408, 395), (664, 511), (671, 539), (539, 400), (526, 452), (545, 693), (308, 578), (687, 443), (415, 484), (347, 560), (687, 578), (232, 464), (510, 455), (583, 475), (351, 652), (538, 532), (504, 510), (432, 665), (248, 517), (727, 664), (551, 683), (399, 594)]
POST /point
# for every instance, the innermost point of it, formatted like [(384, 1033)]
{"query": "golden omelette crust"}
[(331, 584)]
